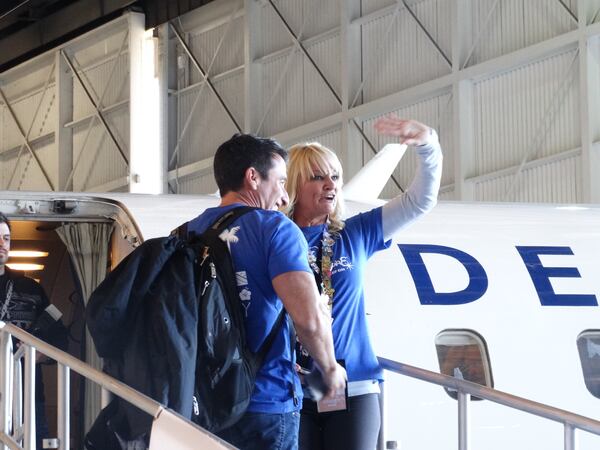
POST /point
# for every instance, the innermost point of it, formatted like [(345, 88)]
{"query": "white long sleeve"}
[(421, 195)]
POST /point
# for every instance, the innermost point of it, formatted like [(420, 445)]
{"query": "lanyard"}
[(320, 263), (323, 273)]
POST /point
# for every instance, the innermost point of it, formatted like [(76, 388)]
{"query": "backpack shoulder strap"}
[(268, 342), (213, 232), (228, 218), (210, 236)]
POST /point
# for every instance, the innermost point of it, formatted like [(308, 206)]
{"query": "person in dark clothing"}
[(22, 303)]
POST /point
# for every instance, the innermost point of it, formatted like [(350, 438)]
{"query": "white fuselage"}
[(531, 332), (529, 315)]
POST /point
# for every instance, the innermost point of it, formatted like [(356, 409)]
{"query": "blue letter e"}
[(540, 276), (478, 281)]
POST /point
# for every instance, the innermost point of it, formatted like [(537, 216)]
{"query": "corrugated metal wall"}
[(101, 59), (529, 112), (516, 135), (106, 75), (555, 181), (508, 25), (436, 112), (34, 108), (405, 57)]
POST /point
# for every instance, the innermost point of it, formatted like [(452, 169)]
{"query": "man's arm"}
[(298, 292), (51, 330)]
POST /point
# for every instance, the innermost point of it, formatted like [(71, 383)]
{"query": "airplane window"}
[(463, 354), (588, 344)]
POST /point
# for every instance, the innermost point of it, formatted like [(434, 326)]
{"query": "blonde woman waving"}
[(338, 253)]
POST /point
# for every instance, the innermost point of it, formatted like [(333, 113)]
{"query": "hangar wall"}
[(512, 86)]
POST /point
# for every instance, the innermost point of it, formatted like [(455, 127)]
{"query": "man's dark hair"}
[(4, 219), (241, 152)]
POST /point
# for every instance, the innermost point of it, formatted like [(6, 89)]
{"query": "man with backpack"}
[(268, 253)]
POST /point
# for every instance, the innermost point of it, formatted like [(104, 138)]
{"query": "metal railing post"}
[(465, 389), (570, 438), (63, 406), (29, 425), (163, 418), (382, 415), (5, 357), (464, 400), (17, 395)]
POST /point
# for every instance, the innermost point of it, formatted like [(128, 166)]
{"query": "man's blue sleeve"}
[(288, 250)]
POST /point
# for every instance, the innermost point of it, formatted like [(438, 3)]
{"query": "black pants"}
[(354, 429)]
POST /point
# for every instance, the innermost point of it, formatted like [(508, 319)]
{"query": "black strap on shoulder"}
[(228, 218), (212, 236), (218, 226), (268, 342)]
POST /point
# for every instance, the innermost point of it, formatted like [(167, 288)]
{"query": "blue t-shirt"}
[(263, 245), (361, 237)]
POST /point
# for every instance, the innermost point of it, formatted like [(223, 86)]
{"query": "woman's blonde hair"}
[(302, 159)]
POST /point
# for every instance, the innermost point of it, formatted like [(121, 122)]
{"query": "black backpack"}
[(143, 317), (225, 367)]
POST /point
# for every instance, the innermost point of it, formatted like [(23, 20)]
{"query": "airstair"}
[(169, 430), (465, 390), (17, 405)]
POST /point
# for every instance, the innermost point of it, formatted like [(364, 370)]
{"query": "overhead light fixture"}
[(27, 267), (27, 254)]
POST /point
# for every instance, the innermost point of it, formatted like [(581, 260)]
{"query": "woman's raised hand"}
[(408, 131)]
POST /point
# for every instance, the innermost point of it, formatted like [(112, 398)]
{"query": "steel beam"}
[(589, 106), (25, 141), (296, 40), (429, 36), (98, 110), (253, 92), (542, 129), (326, 81), (95, 105), (63, 136), (282, 75), (206, 81), (572, 16), (37, 110), (482, 28), (371, 67), (55, 26), (204, 74)]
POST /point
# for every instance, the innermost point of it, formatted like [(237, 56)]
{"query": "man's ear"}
[(252, 178)]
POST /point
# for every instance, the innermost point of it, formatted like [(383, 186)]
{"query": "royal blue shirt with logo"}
[(361, 237), (263, 245)]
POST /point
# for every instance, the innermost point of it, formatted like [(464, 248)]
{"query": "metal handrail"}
[(65, 363), (466, 389)]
